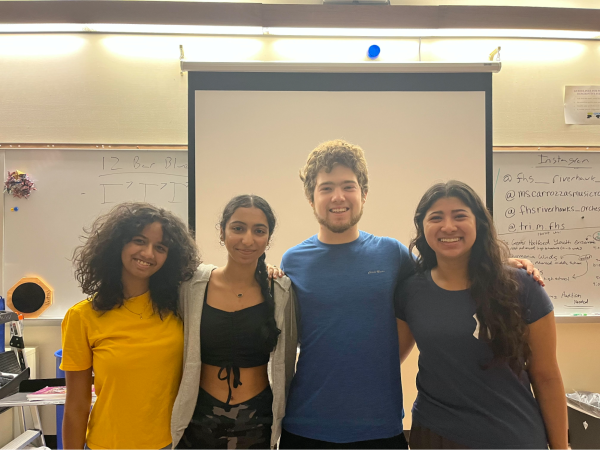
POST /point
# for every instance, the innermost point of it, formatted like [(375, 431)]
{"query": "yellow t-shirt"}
[(137, 362)]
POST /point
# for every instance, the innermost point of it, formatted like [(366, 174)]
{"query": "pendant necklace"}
[(238, 294), (133, 312)]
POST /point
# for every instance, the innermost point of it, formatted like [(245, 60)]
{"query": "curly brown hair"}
[(326, 156), (98, 266), (493, 285)]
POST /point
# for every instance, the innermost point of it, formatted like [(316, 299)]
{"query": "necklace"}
[(133, 312), (230, 285)]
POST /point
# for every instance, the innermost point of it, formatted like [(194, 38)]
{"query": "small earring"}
[(268, 246), (222, 243)]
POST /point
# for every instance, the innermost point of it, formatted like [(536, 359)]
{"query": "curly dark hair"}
[(493, 284), (326, 156), (270, 331), (98, 265)]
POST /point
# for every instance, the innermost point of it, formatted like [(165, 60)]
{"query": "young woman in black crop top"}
[(237, 334)]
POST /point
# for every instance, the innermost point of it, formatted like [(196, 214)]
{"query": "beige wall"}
[(124, 89), (128, 90)]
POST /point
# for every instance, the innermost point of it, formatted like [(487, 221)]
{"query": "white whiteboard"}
[(73, 188), (255, 142), (547, 208)]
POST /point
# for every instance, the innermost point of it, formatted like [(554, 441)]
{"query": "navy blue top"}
[(458, 399), (347, 384)]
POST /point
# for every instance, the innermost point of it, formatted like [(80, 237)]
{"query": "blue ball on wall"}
[(374, 51)]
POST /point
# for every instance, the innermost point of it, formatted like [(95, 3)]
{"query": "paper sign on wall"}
[(582, 105)]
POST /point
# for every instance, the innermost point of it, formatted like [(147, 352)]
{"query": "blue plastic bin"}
[(60, 409)]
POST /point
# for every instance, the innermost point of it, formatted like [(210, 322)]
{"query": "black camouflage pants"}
[(215, 424)]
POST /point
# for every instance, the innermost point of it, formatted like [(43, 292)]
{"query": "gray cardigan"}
[(282, 362)]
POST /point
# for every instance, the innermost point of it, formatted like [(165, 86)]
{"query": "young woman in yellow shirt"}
[(127, 334)]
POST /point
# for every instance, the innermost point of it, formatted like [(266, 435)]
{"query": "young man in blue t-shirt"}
[(347, 391)]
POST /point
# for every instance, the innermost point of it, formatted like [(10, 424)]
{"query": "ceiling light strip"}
[(298, 32)]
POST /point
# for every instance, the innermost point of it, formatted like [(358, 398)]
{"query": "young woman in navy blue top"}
[(237, 334), (485, 332)]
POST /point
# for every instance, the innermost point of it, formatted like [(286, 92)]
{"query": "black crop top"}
[(231, 340)]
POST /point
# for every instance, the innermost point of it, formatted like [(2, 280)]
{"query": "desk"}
[(20, 399)]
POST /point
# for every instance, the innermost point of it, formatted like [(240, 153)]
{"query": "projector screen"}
[(252, 132)]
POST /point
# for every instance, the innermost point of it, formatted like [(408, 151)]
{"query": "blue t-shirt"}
[(458, 399), (347, 383)]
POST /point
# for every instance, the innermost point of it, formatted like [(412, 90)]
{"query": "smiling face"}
[(338, 200), (246, 235), (450, 229), (145, 254)]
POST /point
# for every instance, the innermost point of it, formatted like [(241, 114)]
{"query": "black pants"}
[(293, 441)]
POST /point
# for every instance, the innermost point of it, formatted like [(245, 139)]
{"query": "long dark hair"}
[(270, 331), (493, 286), (98, 265)]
